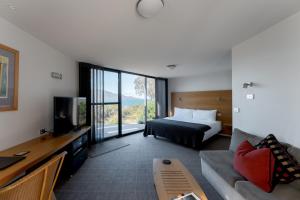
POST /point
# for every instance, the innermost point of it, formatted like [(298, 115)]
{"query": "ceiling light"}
[(171, 67), (149, 8)]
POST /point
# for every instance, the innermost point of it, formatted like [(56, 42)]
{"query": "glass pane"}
[(150, 99), (97, 111), (96, 86), (111, 120), (110, 87), (133, 103)]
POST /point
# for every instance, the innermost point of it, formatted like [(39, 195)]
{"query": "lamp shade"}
[(149, 8)]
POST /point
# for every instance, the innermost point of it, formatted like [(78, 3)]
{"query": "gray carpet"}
[(126, 174), (107, 147)]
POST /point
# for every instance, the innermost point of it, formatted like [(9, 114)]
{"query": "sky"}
[(111, 83)]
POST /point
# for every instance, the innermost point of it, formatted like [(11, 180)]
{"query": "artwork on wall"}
[(9, 78)]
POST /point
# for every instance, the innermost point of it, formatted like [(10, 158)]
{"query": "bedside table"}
[(226, 129)]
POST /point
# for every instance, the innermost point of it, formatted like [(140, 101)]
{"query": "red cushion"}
[(256, 165)]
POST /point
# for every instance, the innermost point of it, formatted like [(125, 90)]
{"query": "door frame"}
[(119, 103)]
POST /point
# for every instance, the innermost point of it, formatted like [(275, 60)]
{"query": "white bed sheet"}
[(216, 126)]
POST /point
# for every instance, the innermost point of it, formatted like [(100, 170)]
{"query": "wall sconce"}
[(249, 84), (220, 99)]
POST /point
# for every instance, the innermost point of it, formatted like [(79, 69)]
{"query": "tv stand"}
[(77, 154), (44, 147), (77, 128)]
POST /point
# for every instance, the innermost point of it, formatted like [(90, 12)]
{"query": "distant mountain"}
[(110, 97), (131, 101), (126, 100)]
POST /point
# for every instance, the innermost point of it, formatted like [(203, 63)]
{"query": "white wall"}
[(272, 61), (214, 81), (36, 87)]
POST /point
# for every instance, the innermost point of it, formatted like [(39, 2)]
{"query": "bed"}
[(190, 127)]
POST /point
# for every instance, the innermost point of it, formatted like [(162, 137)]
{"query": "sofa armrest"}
[(239, 136)]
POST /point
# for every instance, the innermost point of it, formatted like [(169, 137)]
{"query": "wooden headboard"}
[(207, 100)]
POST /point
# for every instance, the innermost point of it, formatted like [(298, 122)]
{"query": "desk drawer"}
[(79, 143), (78, 160)]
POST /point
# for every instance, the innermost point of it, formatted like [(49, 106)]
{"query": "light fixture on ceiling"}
[(171, 67), (149, 8)]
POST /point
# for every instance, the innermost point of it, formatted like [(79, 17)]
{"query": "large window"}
[(104, 103), (111, 104), (120, 102), (133, 103), (96, 93), (151, 109)]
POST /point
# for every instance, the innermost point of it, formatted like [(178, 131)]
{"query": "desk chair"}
[(37, 185)]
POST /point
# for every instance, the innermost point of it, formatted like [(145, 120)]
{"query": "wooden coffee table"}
[(173, 180)]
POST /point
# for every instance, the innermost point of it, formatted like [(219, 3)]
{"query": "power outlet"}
[(236, 110), (250, 96)]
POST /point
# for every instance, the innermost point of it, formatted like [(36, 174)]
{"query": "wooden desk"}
[(40, 148), (173, 180)]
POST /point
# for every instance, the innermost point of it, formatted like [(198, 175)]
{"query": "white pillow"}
[(183, 114), (204, 115)]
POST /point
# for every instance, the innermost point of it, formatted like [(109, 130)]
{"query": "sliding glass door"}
[(151, 106), (104, 104), (111, 104), (97, 117), (133, 102), (120, 102)]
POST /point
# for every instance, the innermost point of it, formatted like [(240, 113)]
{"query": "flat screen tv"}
[(69, 114)]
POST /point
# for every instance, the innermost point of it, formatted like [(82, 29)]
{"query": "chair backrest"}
[(37, 185)]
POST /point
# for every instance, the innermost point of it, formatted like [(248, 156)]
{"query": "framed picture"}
[(9, 78)]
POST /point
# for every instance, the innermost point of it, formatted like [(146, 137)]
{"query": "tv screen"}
[(69, 114)]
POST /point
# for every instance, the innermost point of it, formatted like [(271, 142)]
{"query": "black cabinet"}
[(77, 154)]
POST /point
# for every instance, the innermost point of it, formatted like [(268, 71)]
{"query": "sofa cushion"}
[(295, 152), (281, 192), (221, 163), (287, 167), (256, 165), (239, 136)]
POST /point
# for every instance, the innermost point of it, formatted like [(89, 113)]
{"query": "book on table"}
[(189, 196)]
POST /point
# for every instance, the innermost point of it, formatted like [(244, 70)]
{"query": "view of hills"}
[(133, 109), (126, 100)]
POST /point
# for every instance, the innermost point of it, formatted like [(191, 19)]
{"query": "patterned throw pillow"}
[(287, 168)]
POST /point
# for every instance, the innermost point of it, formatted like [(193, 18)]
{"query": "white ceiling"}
[(195, 34)]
